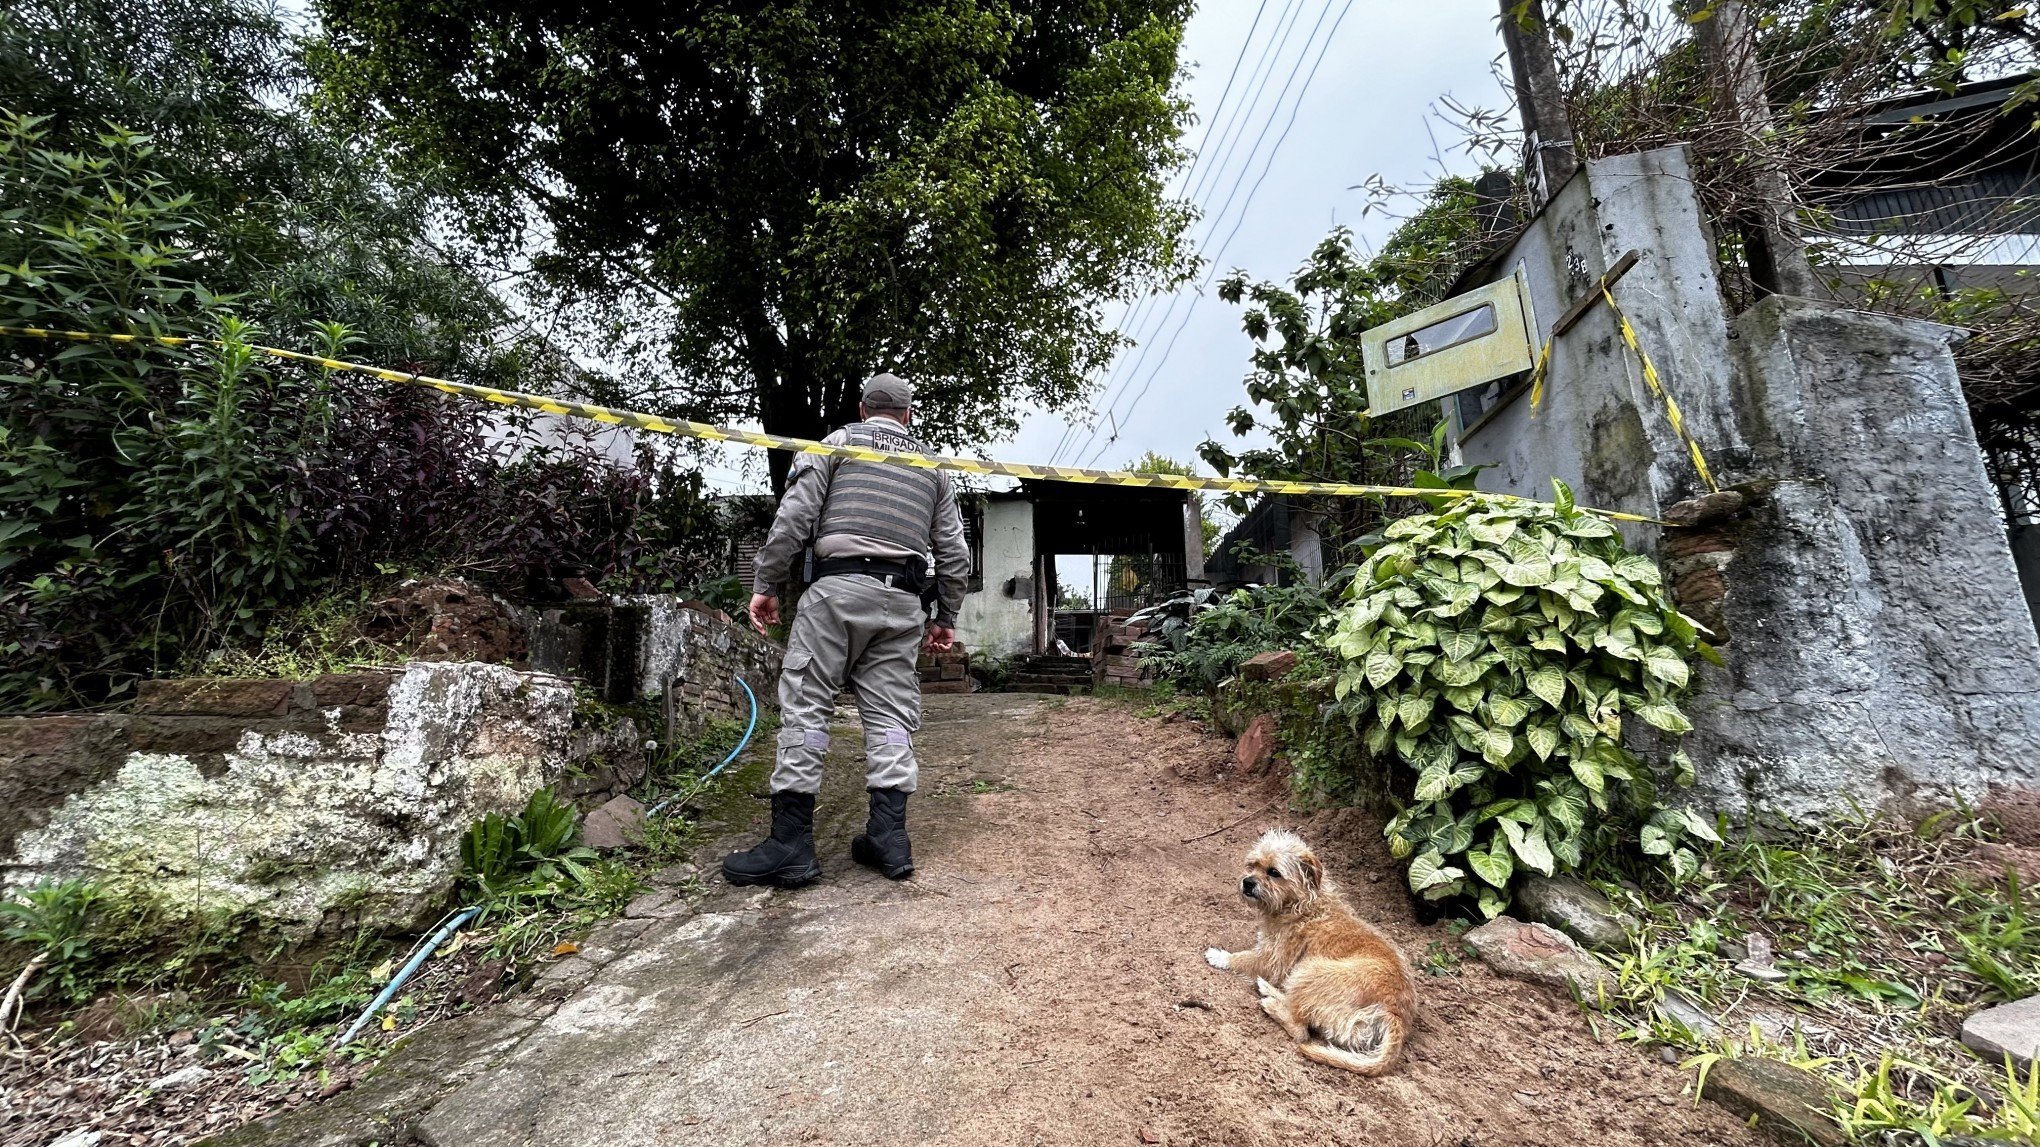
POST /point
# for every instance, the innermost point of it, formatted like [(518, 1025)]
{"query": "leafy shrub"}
[(157, 502), (1494, 648), (1199, 639), (51, 920), (533, 851)]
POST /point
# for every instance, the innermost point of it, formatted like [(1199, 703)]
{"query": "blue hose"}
[(389, 991), (745, 740)]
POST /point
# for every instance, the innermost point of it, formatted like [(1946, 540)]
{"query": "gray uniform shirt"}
[(800, 510)]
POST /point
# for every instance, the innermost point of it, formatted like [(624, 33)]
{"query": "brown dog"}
[(1341, 990)]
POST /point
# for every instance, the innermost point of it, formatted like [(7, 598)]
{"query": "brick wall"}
[(703, 651)]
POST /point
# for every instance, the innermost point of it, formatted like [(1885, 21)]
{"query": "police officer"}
[(874, 527)]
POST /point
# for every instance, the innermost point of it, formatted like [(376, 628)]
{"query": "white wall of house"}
[(999, 619)]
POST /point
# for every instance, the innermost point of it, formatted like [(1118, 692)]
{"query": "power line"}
[(1229, 136), (1252, 192), (1218, 217), (1135, 313), (1285, 26)]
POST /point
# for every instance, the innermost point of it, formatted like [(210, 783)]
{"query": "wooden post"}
[(1548, 149), (1774, 245)]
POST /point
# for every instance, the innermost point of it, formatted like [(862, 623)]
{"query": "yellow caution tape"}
[(712, 433), (1537, 375), (1650, 378)]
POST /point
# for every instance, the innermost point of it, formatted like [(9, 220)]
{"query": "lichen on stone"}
[(303, 831)]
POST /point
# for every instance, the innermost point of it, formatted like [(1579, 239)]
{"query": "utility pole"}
[(1547, 131), (1774, 245)]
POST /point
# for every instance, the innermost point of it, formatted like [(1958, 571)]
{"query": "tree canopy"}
[(755, 205), (158, 504)]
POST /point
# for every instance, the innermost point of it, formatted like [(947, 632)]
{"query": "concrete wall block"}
[(1883, 654), (308, 830), (1883, 651)]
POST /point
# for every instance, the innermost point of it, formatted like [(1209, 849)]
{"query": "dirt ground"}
[(1041, 981)]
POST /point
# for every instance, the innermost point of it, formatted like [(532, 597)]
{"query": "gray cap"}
[(887, 392)]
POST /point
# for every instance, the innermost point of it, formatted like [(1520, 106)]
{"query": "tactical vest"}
[(881, 500)]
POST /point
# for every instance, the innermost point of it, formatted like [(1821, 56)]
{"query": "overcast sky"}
[(1370, 110)]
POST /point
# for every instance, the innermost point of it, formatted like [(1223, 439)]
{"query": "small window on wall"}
[(1465, 327)]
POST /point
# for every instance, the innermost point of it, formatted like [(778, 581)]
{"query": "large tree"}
[(797, 193)]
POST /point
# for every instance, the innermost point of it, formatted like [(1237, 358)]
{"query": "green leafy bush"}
[(1203, 648), (51, 920), (1495, 648), (160, 503)]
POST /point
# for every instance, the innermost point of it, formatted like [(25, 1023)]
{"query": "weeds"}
[(526, 871), (1442, 958), (1901, 1097), (1164, 698), (1886, 935), (51, 921), (322, 636)]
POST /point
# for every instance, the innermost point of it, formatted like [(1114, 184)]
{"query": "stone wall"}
[(313, 807), (631, 649), (1880, 647), (1876, 637), (701, 652), (325, 805)]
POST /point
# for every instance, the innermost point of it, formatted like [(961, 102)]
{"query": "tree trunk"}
[(1548, 150), (800, 395), (786, 407), (1774, 246)]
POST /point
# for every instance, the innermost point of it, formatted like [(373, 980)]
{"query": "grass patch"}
[(321, 636), (1885, 937), (1164, 699)]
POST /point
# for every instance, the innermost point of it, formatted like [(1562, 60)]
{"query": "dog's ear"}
[(1311, 869)]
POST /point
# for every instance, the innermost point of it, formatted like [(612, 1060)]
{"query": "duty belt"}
[(898, 574)]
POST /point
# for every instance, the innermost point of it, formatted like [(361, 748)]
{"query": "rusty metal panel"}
[(1466, 341)]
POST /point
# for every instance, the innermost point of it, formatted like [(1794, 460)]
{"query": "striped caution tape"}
[(1650, 379), (712, 433), (1537, 376)]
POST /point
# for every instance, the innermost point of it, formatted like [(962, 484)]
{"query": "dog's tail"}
[(1369, 1044)]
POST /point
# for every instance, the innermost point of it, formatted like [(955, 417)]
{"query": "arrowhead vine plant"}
[(1510, 654)]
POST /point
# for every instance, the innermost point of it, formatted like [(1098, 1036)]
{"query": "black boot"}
[(883, 843), (787, 857)]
